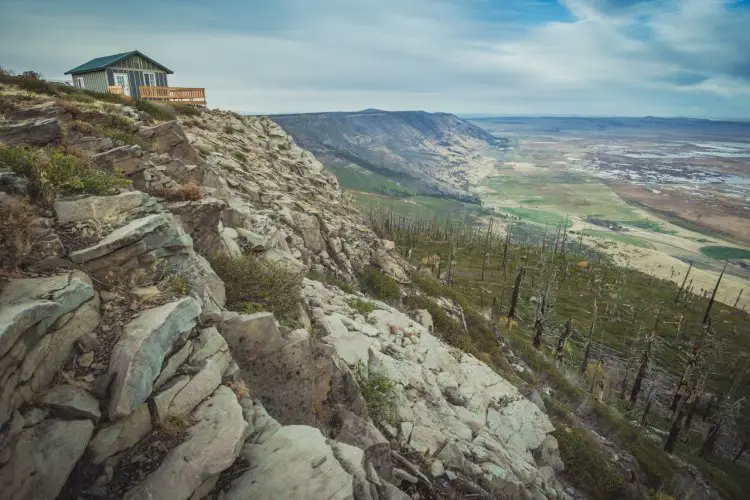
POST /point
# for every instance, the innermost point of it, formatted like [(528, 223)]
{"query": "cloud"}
[(624, 57)]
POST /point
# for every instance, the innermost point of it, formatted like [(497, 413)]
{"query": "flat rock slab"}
[(71, 402), (98, 207), (120, 435), (212, 446), (39, 301), (295, 462), (36, 132), (137, 357), (42, 458), (121, 237)]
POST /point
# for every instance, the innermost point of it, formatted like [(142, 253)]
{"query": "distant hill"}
[(429, 153)]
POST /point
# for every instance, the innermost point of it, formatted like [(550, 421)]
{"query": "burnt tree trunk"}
[(561, 342), (512, 312)]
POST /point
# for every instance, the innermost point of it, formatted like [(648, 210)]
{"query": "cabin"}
[(134, 75)]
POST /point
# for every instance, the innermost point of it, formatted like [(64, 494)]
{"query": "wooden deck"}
[(184, 95)]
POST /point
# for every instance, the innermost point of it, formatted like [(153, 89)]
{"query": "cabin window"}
[(79, 82), (149, 79)]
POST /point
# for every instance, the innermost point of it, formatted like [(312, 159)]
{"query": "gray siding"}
[(96, 80), (137, 62)]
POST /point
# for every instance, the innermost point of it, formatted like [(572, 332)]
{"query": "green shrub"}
[(587, 467), (363, 307), (252, 282), (228, 129), (156, 111), (379, 393), (330, 280), (57, 173), (240, 156), (185, 109), (37, 85), (119, 128), (378, 284), (203, 150)]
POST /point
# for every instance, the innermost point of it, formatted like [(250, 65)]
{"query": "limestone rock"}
[(170, 138), (71, 402), (42, 457), (137, 357), (356, 431), (211, 446), (249, 334), (548, 453), (36, 132), (121, 237), (120, 435), (127, 159), (301, 450), (98, 207)]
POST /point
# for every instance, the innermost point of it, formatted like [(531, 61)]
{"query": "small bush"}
[(330, 280), (363, 307), (587, 467), (379, 393), (156, 111), (184, 192), (378, 284), (228, 129), (185, 109), (175, 283), (37, 85), (240, 156), (81, 127), (59, 173), (204, 150), (250, 280), (119, 128)]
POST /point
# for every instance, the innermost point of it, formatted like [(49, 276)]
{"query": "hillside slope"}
[(158, 338), (431, 153)]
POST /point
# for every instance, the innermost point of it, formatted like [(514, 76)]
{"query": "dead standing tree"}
[(587, 347), (564, 336), (645, 361), (513, 311)]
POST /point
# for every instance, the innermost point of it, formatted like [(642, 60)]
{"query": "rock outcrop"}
[(123, 376)]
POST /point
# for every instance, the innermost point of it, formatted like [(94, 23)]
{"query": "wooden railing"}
[(116, 89), (184, 95)]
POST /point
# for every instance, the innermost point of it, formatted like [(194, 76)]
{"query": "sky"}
[(492, 57)]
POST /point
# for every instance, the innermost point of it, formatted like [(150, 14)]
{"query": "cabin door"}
[(121, 80)]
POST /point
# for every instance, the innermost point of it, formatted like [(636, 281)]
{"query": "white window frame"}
[(152, 78), (79, 82)]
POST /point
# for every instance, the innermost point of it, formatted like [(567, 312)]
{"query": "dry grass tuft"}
[(16, 238), (184, 192)]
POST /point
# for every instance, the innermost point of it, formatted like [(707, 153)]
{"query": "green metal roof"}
[(102, 62)]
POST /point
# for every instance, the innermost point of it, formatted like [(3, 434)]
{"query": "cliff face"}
[(430, 152), (123, 374)]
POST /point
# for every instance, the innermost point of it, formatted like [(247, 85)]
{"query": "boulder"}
[(35, 132), (548, 453), (536, 398), (136, 359), (309, 227), (40, 321), (187, 392), (127, 159), (211, 446), (42, 457), (98, 207), (120, 435), (170, 138), (71, 402), (356, 431)]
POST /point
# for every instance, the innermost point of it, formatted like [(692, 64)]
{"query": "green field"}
[(622, 238), (647, 225), (421, 207), (539, 216), (358, 179), (725, 253), (559, 192)]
